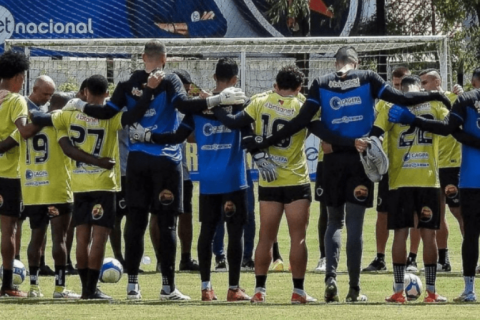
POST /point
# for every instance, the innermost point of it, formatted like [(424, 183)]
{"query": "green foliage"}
[(70, 85), (297, 9), (111, 87)]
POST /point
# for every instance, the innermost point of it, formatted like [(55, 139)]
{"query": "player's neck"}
[(286, 93), (221, 86), (7, 85), (32, 99), (96, 101)]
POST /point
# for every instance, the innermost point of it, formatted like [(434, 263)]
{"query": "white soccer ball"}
[(111, 271), (413, 286), (19, 272)]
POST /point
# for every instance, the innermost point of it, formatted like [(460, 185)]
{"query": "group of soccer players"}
[(65, 167)]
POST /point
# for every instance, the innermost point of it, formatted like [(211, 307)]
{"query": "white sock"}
[(206, 285), (132, 287), (469, 284), (299, 291), (260, 289), (233, 287)]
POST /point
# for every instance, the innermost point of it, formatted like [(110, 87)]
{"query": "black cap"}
[(347, 52), (183, 75)]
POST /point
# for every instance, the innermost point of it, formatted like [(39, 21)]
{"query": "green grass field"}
[(279, 286)]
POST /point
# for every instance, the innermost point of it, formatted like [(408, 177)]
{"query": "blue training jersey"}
[(465, 109), (347, 103), (221, 160), (161, 117)]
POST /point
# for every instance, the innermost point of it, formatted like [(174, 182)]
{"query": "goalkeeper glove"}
[(138, 133), (75, 104), (254, 143), (228, 96), (401, 115), (266, 168)]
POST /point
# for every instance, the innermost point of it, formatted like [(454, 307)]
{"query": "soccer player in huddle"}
[(94, 187), (222, 177), (346, 99), (290, 192), (154, 173), (13, 115), (413, 175)]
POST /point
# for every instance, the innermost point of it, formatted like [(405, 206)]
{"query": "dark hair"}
[(226, 69), (411, 80), (12, 63), (184, 76), (289, 78), (401, 72), (97, 85), (426, 71), (83, 85), (154, 48), (347, 54), (476, 73), (58, 101)]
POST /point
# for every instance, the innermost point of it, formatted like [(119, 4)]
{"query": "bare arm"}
[(81, 156)]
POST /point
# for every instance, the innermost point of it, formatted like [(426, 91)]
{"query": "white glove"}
[(138, 133), (457, 89), (267, 169), (228, 96), (75, 104)]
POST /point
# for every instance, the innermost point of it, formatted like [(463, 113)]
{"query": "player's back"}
[(271, 112), (98, 138), (449, 150)]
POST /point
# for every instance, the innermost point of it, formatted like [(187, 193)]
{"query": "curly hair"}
[(12, 63), (289, 78)]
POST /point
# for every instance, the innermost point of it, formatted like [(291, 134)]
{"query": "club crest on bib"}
[(53, 212), (361, 193), (97, 212)]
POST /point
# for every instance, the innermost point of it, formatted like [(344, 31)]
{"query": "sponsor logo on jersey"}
[(83, 117), (37, 183), (415, 156), (97, 212), (414, 165), (209, 129), (137, 92), (279, 159), (279, 109), (337, 103), (422, 107), (344, 85), (209, 147), (150, 113), (346, 119), (29, 174)]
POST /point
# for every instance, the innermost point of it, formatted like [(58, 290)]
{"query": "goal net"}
[(69, 62)]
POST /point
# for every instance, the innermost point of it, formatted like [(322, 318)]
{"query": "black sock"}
[(69, 261), (42, 260), (442, 256), (356, 288), (17, 257), (260, 281), (399, 276), (83, 273), (276, 252), (92, 280), (430, 276), (34, 275), (7, 283), (381, 256), (60, 276), (186, 257), (412, 256), (298, 283)]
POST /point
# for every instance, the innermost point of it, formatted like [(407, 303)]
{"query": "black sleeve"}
[(233, 121), (41, 118), (319, 129), (466, 139), (136, 113), (113, 106), (175, 137), (377, 132), (395, 96), (448, 126), (178, 96)]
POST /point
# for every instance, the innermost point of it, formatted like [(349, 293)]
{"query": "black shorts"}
[(449, 178), (94, 208), (346, 180), (154, 181), (403, 203), (23, 214), (285, 195), (187, 196), (229, 207), (319, 187), (40, 215), (10, 197), (121, 201), (471, 206), (382, 194)]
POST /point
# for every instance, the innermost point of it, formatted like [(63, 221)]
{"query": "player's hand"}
[(440, 96), (75, 104), (138, 133), (326, 147), (254, 143), (457, 89), (401, 115), (106, 163), (204, 94), (361, 145), (208, 15), (266, 167), (228, 96), (155, 78)]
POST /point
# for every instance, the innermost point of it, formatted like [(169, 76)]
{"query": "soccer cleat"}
[(446, 267), (159, 267), (190, 265), (98, 295), (46, 271), (70, 270), (331, 291), (208, 295), (466, 297), (302, 299), (65, 294), (355, 296), (433, 297), (238, 294), (12, 293), (134, 294), (258, 297), (221, 266), (175, 295), (34, 292), (322, 265), (248, 265), (411, 265), (278, 266), (477, 270), (376, 265), (397, 297)]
